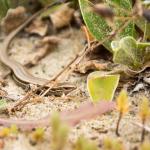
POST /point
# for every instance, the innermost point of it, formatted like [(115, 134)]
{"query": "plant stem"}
[(143, 131), (118, 123), (143, 44)]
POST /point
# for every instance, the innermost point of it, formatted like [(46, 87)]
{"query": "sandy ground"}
[(97, 129)]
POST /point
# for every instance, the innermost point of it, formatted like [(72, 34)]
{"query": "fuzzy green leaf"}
[(96, 24), (122, 8), (101, 86), (99, 27), (144, 26), (129, 52)]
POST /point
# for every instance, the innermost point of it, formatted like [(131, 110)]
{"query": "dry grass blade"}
[(141, 126)]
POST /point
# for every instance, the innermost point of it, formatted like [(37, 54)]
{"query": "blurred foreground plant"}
[(145, 146), (84, 144), (122, 107), (37, 135), (12, 130), (59, 133), (112, 144), (144, 113)]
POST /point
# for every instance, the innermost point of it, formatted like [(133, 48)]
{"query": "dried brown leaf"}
[(47, 44), (62, 17), (91, 65), (13, 19), (38, 27)]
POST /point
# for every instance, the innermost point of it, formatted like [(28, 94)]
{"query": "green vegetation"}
[(121, 28)]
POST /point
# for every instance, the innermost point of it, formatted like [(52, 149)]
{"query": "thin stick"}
[(20, 102), (118, 123), (143, 131), (141, 126), (145, 30)]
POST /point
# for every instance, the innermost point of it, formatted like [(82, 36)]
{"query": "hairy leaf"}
[(99, 27), (144, 26), (122, 8), (129, 52), (96, 24)]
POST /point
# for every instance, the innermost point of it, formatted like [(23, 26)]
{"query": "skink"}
[(20, 71)]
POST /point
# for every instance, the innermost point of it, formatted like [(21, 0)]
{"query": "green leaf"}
[(102, 86), (52, 10), (99, 27), (144, 26), (46, 2), (145, 49), (122, 8), (3, 8), (96, 24), (129, 52)]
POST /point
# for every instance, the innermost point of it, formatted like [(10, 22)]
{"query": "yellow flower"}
[(14, 129), (122, 102), (144, 109), (145, 146), (38, 134), (4, 132)]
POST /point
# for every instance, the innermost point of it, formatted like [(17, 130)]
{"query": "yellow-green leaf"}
[(101, 86)]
